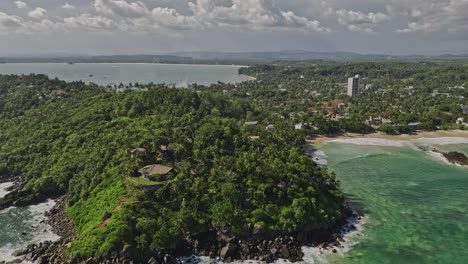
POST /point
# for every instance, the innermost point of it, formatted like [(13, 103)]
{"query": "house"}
[(414, 124), (58, 92), (300, 126), (163, 152), (457, 87), (409, 89), (254, 138), (461, 121), (150, 170), (251, 123), (270, 127), (464, 108)]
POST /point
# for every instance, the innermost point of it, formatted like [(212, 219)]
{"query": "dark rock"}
[(41, 260), (285, 252), (126, 252), (153, 261), (456, 158), (90, 261), (19, 252), (273, 251), (168, 259), (228, 251), (258, 230)]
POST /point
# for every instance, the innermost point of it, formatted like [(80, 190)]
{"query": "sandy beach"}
[(432, 134)]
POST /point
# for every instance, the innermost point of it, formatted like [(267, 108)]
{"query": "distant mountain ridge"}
[(208, 57)]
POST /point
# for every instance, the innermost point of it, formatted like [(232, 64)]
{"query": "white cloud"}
[(432, 15), (37, 13), (20, 4), (358, 21), (87, 21), (9, 21), (68, 6), (250, 14), (121, 8)]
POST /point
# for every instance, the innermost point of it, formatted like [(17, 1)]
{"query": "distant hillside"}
[(318, 56), (280, 57)]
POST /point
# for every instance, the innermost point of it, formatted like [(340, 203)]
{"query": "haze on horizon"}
[(107, 27)]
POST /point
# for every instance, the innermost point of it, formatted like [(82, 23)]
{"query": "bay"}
[(415, 202), (180, 75)]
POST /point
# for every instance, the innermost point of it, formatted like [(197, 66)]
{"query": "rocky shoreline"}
[(456, 158), (255, 244), (17, 196), (453, 157)]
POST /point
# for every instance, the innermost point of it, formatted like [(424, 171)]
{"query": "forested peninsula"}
[(231, 186)]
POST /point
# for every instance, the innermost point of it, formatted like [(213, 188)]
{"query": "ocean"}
[(180, 75), (415, 203), (20, 227)]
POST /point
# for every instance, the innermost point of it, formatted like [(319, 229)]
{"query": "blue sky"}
[(158, 26)]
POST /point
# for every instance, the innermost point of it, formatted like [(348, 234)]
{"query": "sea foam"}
[(401, 143), (34, 225), (441, 140), (370, 142)]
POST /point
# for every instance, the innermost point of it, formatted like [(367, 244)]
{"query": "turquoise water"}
[(115, 73), (416, 204)]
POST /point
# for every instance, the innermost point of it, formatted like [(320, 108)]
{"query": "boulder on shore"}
[(456, 158)]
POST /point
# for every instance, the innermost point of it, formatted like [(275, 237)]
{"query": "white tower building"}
[(353, 85)]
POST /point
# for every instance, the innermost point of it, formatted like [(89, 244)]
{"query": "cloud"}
[(88, 21), (121, 8), (257, 14), (68, 6), (358, 21), (21, 4), (37, 13), (248, 14), (431, 15), (9, 21)]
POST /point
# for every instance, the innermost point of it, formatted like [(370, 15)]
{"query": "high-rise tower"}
[(353, 85)]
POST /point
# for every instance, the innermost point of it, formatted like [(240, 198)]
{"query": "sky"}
[(107, 27)]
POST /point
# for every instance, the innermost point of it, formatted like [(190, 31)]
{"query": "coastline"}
[(425, 134), (34, 225), (175, 64)]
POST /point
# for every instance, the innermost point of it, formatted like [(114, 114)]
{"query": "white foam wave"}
[(401, 143), (352, 233), (371, 142), (3, 188), (442, 140), (319, 157), (35, 223)]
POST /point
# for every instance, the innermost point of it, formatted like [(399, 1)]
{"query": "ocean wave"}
[(352, 233), (24, 226), (319, 157), (401, 143), (371, 142), (441, 140)]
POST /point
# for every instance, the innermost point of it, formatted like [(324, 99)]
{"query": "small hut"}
[(155, 169)]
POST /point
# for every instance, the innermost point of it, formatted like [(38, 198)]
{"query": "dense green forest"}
[(76, 139)]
